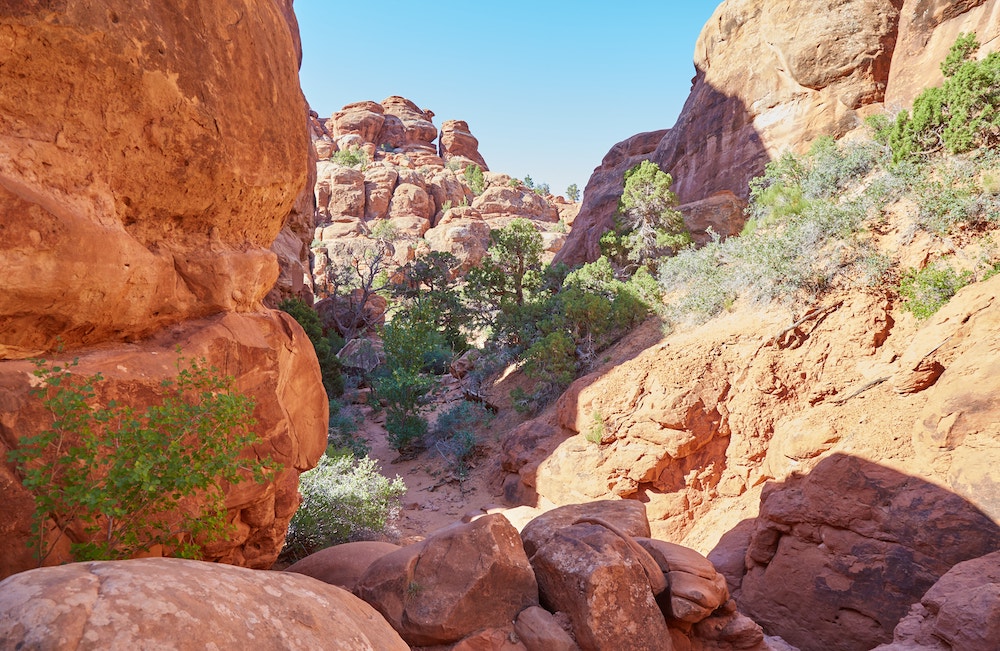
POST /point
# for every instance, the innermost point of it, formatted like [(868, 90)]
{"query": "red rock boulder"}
[(457, 581), (342, 565), (184, 605)]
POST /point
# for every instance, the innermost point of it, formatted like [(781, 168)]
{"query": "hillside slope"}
[(771, 77)]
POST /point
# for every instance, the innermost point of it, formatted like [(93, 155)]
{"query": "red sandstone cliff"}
[(134, 218), (772, 76)]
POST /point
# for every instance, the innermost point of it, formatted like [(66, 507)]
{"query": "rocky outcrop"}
[(458, 144), (185, 605), (960, 611), (135, 219), (862, 509), (416, 187), (461, 579), (773, 76), (130, 199), (269, 358)]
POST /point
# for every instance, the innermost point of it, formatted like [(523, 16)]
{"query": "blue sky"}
[(546, 87)]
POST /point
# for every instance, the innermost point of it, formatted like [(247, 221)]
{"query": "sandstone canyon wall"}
[(135, 218), (771, 77)]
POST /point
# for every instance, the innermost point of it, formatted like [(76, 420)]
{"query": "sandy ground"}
[(436, 496)]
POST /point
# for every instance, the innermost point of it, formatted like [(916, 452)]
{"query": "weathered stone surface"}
[(380, 182), (340, 191), (539, 631), (342, 565), (457, 141), (130, 200), (960, 611), (696, 589), (466, 239), (418, 131), (843, 551), (270, 358), (459, 580), (504, 201), (409, 200), (593, 576), (720, 213), (627, 515), (364, 119), (491, 639), (185, 605)]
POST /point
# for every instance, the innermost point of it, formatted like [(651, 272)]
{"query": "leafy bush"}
[(925, 290), (343, 498), (342, 434), (455, 436), (960, 115), (326, 345), (573, 192), (648, 227), (121, 475), (475, 179), (350, 158)]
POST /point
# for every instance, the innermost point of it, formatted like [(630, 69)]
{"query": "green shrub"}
[(648, 227), (121, 475), (342, 435), (475, 179), (326, 344), (343, 499), (352, 157), (960, 115), (573, 192), (925, 290), (455, 436)]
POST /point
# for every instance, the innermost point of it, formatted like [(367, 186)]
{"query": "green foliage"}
[(401, 385), (962, 50), (508, 272), (121, 475), (342, 434), (455, 436), (796, 239), (529, 182), (648, 227), (475, 179), (551, 362), (595, 433), (326, 344), (543, 190), (343, 498), (427, 292), (352, 157), (960, 115), (925, 290), (573, 192)]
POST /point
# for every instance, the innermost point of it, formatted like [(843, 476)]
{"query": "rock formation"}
[(186, 605), (853, 493), (771, 77), (135, 219), (420, 189)]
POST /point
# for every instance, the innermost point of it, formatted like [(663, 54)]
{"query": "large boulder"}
[(342, 565), (839, 555), (364, 119), (960, 611), (185, 605), (457, 581), (595, 577), (458, 142), (128, 197)]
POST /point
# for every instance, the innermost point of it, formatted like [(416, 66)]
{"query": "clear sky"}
[(546, 87)]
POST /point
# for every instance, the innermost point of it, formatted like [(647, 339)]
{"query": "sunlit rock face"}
[(774, 76), (137, 217)]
